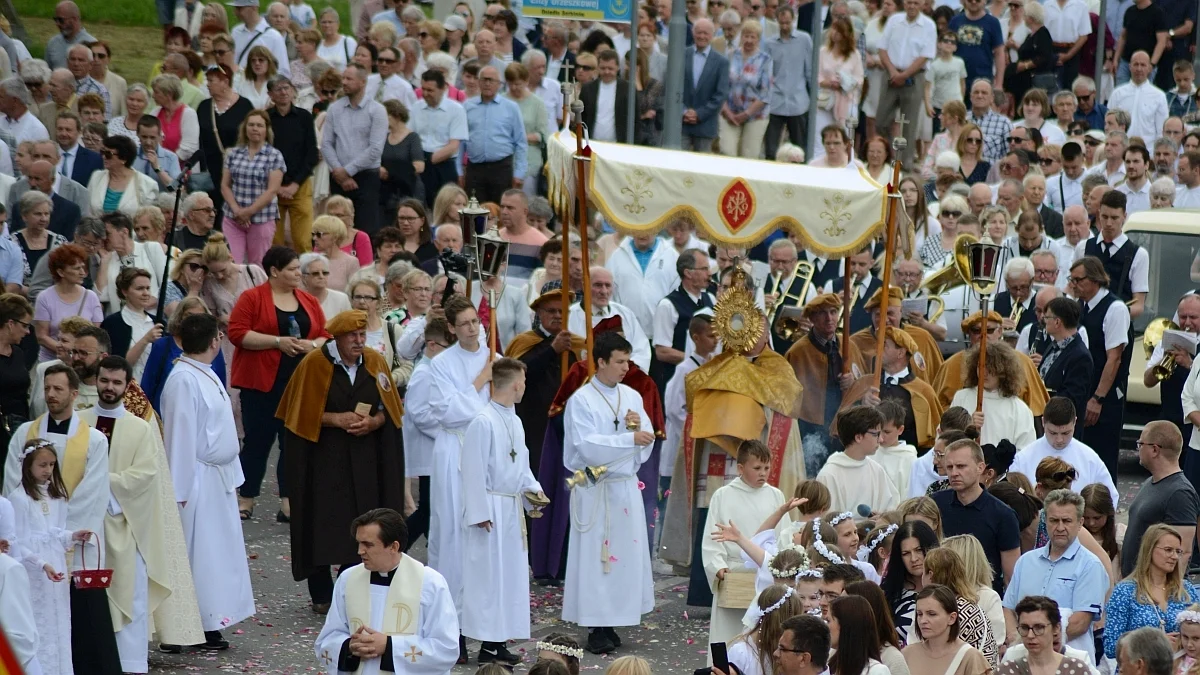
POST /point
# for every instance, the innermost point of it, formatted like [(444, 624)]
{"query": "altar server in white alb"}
[(391, 613), (202, 449), (419, 428), (605, 425), (496, 484), (1058, 420), (458, 392)]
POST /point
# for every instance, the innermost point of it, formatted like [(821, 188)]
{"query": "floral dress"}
[(1126, 611), (750, 82)]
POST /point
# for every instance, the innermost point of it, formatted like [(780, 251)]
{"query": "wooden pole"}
[(581, 210), (847, 295), (491, 295), (895, 203), (566, 294), (983, 339)]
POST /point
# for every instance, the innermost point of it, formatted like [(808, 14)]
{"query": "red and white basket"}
[(86, 579)]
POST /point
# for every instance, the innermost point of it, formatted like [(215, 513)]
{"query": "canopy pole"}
[(846, 296), (895, 203), (581, 210)]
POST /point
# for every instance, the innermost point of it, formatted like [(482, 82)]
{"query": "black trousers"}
[(796, 125), (488, 180), (366, 200), (1105, 436), (418, 522), (699, 591), (262, 430), (93, 642), (320, 581), (437, 175), (1068, 71)]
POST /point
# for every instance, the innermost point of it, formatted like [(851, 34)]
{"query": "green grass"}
[(130, 13)]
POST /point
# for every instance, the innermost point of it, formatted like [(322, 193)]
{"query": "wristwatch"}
[(1171, 33), (1097, 398)]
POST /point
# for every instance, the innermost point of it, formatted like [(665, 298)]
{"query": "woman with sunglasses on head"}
[(1155, 592)]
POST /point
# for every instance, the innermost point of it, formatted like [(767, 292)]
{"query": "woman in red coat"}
[(272, 327)]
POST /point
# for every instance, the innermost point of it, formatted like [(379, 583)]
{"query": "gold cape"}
[(930, 352), (303, 401), (521, 344), (927, 410)]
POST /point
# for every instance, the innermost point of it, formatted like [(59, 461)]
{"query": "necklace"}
[(614, 409), (208, 373), (512, 443)]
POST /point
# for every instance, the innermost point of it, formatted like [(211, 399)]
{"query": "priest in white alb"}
[(83, 461), (497, 483), (202, 449), (607, 437), (140, 516), (391, 613), (458, 391)]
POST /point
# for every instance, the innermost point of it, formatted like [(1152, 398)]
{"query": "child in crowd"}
[(302, 13), (894, 455), (744, 502), (40, 508), (1182, 99), (1189, 639), (946, 79), (560, 648), (851, 477)]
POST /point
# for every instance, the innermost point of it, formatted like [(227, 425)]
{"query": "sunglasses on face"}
[(1093, 142), (197, 266), (1045, 161), (1016, 139), (975, 141), (383, 60), (107, 154), (329, 92), (951, 214), (220, 52)]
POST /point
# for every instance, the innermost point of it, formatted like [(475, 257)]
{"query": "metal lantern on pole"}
[(473, 219), (984, 261), (491, 256)]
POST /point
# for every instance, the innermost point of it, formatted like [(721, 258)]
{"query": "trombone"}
[(783, 324)]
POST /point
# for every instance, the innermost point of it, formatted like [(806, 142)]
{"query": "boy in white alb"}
[(852, 478), (894, 455), (496, 483), (746, 501)]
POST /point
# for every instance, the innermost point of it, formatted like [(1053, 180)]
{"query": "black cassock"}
[(542, 380)]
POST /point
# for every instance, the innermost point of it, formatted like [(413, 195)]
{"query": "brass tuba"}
[(1150, 339), (787, 326), (949, 277)]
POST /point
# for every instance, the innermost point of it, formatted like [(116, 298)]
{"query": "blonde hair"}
[(216, 249), (817, 495), (628, 665), (946, 567), (975, 562), (157, 221), (331, 225), (1141, 570), (1045, 473), (442, 203), (384, 30), (922, 506), (261, 114), (191, 255), (73, 324)]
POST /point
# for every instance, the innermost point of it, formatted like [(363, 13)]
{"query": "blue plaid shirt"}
[(248, 177), (995, 128), (89, 85)]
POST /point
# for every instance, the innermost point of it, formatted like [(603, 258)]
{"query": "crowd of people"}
[(261, 247)]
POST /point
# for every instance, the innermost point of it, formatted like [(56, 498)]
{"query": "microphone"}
[(864, 510)]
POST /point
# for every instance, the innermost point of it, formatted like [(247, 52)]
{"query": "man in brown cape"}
[(950, 378), (925, 362), (342, 416)]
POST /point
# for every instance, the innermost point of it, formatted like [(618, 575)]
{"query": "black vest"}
[(859, 318), (1117, 266), (1093, 321), (683, 303), (897, 393), (1037, 341), (825, 274)]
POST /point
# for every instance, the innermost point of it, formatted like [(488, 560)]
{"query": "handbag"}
[(1046, 81), (202, 181), (824, 99), (87, 579)]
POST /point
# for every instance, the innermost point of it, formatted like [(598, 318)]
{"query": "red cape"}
[(635, 379)]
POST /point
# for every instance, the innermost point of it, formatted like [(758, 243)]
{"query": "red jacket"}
[(255, 311)]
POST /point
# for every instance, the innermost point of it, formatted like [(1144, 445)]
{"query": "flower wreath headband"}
[(865, 552), (787, 594), (575, 652), (1187, 616), (845, 515), (791, 572), (35, 447), (821, 547)]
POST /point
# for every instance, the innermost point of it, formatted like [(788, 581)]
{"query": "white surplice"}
[(1089, 468), (432, 650), (454, 402), (898, 462), (90, 498), (1004, 417), (495, 477), (675, 411), (747, 507), (609, 580), (45, 539), (16, 614), (629, 326), (419, 424), (202, 450), (852, 482)]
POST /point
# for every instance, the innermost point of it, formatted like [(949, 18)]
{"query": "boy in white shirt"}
[(746, 501), (894, 455), (850, 477)]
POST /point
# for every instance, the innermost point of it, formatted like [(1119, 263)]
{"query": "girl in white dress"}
[(753, 651), (40, 510)]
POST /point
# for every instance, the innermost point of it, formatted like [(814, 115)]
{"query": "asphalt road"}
[(279, 639)]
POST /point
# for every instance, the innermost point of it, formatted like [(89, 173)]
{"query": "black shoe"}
[(170, 649), (497, 652), (213, 641), (463, 657), (281, 517), (598, 642), (612, 635)]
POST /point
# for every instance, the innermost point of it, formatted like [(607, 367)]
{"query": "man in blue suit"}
[(64, 214), (75, 161), (705, 88)]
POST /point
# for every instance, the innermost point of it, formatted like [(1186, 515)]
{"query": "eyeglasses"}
[(587, 68), (443, 346), (26, 324), (493, 80), (1085, 97), (1060, 476), (99, 55), (951, 214), (1076, 280), (1137, 445), (1093, 142), (364, 298), (220, 52), (329, 92), (107, 154), (383, 60), (203, 209), (1171, 550), (1036, 629), (1016, 139), (423, 34), (408, 219), (319, 273), (781, 648), (876, 434)]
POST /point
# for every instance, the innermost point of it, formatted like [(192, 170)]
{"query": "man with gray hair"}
[(1063, 557), (1010, 194), (62, 95), (1166, 153), (79, 62), (604, 307), (89, 234), (547, 89), (278, 18), (674, 313), (1018, 280), (1145, 651), (198, 217), (15, 104)]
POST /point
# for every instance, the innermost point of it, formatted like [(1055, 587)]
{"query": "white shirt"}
[(606, 112), (1061, 184), (1023, 337), (641, 291), (1113, 178), (1067, 21), (66, 160), (438, 126), (1116, 322), (269, 38), (397, 88), (1050, 131), (1139, 270), (1187, 198), (27, 127), (1089, 468), (551, 93), (665, 318), (1147, 108), (698, 60), (339, 54), (906, 41), (1136, 200)]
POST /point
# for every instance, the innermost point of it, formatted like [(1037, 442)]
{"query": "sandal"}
[(246, 514), (245, 508)]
